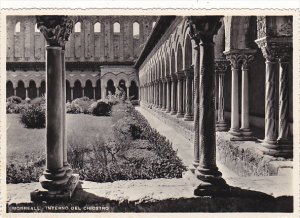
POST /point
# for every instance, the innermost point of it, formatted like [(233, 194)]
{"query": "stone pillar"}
[(94, 92), (245, 126), (127, 90), (160, 96), (164, 95), (173, 95), (283, 130), (207, 172), (189, 94), (168, 110), (37, 91), (82, 91), (55, 181), (26, 91), (72, 93), (180, 78), (15, 91), (235, 59), (220, 68)]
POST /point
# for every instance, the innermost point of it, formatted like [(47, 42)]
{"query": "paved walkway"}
[(185, 149)]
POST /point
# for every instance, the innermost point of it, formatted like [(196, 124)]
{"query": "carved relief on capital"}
[(56, 29), (235, 59), (276, 48), (203, 28), (247, 58), (189, 73), (221, 65)]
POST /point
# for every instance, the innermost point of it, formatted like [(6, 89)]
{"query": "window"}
[(136, 30), (116, 27), (18, 27), (97, 27), (36, 29), (153, 24), (77, 28)]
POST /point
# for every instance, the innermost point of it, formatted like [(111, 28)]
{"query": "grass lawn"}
[(22, 142)]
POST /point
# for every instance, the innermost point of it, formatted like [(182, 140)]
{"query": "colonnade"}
[(172, 94)]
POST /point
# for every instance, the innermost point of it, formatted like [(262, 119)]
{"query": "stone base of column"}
[(173, 112), (64, 194), (211, 183), (245, 131), (221, 126), (279, 150), (188, 117), (234, 132), (179, 115), (270, 144)]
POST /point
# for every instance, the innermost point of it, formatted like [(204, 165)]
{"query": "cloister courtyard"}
[(150, 114)]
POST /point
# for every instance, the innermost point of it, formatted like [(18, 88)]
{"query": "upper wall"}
[(26, 44)]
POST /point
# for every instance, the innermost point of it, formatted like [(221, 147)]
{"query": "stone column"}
[(207, 172), (180, 77), (164, 85), (160, 96), (168, 110), (189, 94), (245, 126), (15, 91), (26, 91), (283, 130), (37, 91), (173, 95), (55, 181), (94, 92), (127, 90), (235, 59), (154, 94), (220, 68), (72, 93)]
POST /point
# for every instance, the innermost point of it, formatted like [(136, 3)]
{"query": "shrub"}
[(80, 105), (34, 116), (14, 99), (100, 108)]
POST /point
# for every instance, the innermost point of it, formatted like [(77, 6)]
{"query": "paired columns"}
[(277, 52), (220, 68), (239, 60), (57, 181), (180, 78)]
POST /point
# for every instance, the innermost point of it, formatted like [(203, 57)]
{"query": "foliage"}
[(15, 105), (34, 115), (100, 108), (14, 99), (80, 105)]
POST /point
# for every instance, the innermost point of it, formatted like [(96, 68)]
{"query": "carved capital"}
[(275, 48), (173, 77), (180, 75), (189, 73), (221, 65), (56, 29), (247, 58), (203, 28), (235, 58)]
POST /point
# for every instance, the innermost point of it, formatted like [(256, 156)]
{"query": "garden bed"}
[(100, 148)]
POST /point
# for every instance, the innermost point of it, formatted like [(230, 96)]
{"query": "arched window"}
[(153, 24), (136, 30), (77, 28), (116, 27), (36, 29), (18, 27), (97, 27)]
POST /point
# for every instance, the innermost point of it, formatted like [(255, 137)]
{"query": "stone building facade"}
[(99, 55)]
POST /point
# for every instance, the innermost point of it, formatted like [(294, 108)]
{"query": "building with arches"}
[(100, 49)]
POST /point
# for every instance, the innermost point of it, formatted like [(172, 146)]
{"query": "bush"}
[(100, 108), (80, 105), (14, 99), (34, 116)]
